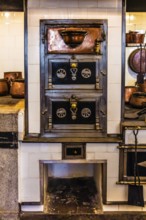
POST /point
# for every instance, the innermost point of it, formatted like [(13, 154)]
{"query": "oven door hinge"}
[(44, 111)]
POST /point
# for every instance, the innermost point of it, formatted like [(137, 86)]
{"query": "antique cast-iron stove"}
[(73, 78)]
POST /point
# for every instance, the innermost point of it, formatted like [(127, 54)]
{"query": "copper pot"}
[(138, 99), (11, 76), (129, 90), (3, 87), (73, 38), (138, 38), (17, 89), (128, 38), (142, 87), (135, 37)]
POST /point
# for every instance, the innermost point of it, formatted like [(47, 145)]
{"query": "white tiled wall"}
[(11, 42), (130, 138), (29, 156), (78, 9)]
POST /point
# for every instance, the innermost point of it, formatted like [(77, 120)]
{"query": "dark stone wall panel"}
[(135, 6), (11, 5)]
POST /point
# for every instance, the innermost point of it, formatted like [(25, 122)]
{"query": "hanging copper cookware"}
[(137, 60)]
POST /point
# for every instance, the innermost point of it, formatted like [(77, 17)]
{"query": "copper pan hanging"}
[(137, 61)]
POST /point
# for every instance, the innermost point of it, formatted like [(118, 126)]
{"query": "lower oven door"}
[(76, 112)]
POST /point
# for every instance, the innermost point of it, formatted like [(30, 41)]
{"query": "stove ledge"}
[(35, 138)]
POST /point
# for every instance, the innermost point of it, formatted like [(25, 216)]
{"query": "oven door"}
[(78, 73), (69, 113)]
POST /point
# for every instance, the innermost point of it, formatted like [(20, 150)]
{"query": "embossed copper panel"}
[(57, 45)]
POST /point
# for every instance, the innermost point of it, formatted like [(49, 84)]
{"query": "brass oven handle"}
[(73, 106)]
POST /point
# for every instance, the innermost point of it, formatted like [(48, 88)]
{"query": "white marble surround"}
[(31, 153)]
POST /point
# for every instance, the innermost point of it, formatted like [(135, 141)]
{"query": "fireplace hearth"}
[(73, 196), (73, 186)]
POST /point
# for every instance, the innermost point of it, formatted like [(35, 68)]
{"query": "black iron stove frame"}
[(49, 91)]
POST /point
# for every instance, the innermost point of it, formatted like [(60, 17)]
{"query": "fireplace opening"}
[(73, 186)]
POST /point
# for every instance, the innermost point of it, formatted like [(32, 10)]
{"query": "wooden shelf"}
[(131, 125), (135, 45)]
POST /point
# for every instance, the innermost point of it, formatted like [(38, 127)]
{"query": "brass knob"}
[(74, 105), (73, 65)]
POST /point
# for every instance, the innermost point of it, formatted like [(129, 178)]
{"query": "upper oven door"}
[(73, 73)]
